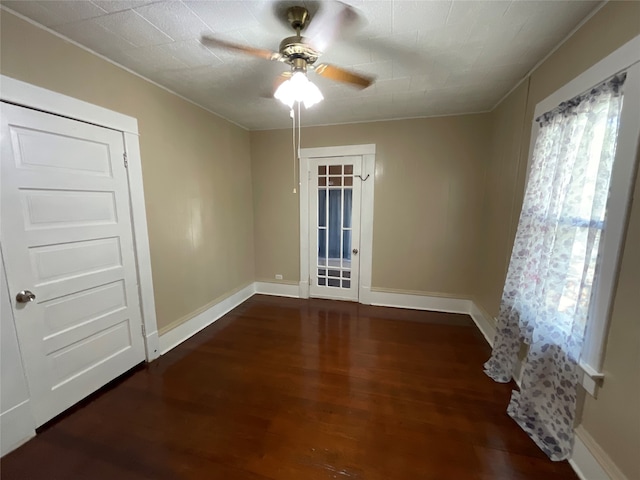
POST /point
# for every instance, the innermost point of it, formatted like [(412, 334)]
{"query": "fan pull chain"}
[(298, 162), (296, 150), (293, 119)]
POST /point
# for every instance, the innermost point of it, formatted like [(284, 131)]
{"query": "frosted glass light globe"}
[(299, 89)]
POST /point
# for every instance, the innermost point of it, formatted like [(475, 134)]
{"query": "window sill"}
[(591, 378)]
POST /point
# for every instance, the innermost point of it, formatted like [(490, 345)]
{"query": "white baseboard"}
[(380, 298), (17, 426), (186, 330), (418, 302), (584, 463), (589, 461), (152, 344), (483, 322), (278, 289), (182, 332)]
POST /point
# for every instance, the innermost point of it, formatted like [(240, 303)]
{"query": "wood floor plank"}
[(299, 389)]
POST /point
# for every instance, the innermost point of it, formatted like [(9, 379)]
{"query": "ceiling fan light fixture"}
[(299, 89)]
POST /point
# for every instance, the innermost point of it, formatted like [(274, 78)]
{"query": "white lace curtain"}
[(545, 302)]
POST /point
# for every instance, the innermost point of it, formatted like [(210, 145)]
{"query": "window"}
[(554, 259), (565, 256), (610, 227)]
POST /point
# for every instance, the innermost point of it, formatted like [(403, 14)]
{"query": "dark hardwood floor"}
[(299, 389)]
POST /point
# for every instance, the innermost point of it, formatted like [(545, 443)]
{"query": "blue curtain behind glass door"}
[(335, 222)]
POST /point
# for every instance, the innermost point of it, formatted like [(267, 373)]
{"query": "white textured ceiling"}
[(429, 57)]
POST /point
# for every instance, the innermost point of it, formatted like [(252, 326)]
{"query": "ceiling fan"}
[(301, 52)]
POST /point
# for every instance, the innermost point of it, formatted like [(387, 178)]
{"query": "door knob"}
[(25, 296), (355, 251)]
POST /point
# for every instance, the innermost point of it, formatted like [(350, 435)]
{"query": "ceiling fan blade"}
[(256, 52), (330, 22), (341, 75)]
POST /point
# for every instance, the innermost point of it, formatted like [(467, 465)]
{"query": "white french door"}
[(68, 251), (334, 221)]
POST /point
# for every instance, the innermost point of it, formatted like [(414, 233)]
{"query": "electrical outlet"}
[(278, 276)]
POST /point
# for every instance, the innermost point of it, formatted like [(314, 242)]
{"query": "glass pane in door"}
[(335, 221), (334, 225)]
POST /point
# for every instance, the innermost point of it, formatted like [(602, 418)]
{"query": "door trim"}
[(368, 153), (31, 96)]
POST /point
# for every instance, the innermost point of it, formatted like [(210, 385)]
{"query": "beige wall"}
[(613, 419), (196, 169), (205, 177), (427, 196), (503, 198)]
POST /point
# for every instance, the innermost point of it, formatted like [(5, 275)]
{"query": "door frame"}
[(30, 96), (368, 154)]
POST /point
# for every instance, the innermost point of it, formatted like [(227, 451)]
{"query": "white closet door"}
[(66, 238)]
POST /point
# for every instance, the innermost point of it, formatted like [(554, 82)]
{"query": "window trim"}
[(626, 58)]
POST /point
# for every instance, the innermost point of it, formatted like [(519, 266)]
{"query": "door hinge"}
[(126, 162), (308, 174), (144, 332)]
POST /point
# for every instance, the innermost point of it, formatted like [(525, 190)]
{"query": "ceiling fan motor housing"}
[(294, 47)]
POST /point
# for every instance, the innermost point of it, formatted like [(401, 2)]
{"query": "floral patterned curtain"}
[(545, 301)]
